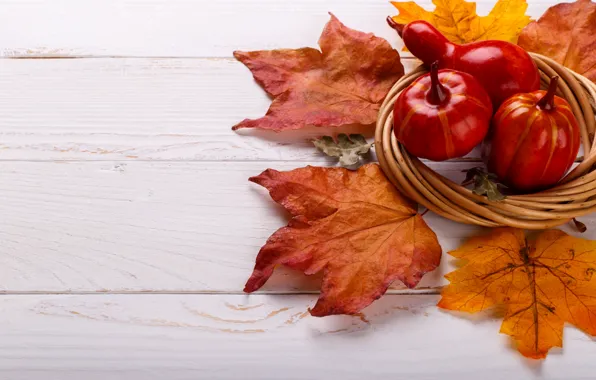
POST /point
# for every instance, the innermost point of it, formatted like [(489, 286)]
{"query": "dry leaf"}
[(484, 183), (352, 225), (344, 83), (349, 149), (458, 21), (540, 283), (567, 34)]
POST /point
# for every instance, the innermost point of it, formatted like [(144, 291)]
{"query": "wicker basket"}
[(574, 196)]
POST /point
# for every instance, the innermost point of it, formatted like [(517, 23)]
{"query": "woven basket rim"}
[(573, 196)]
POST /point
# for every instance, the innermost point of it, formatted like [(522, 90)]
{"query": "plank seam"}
[(206, 58), (405, 292)]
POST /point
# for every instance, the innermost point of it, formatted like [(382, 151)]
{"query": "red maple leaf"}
[(354, 226)]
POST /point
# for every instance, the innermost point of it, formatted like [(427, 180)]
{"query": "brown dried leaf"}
[(566, 33), (344, 83), (354, 226)]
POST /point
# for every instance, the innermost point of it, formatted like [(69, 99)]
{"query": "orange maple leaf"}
[(541, 283), (354, 226), (566, 33), (458, 21), (344, 83)]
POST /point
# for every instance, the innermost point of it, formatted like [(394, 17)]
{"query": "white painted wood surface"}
[(128, 226), (155, 337), (186, 28), (142, 226), (140, 108)]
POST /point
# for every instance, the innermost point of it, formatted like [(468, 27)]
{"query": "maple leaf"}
[(344, 83), (348, 149), (541, 283), (352, 225), (565, 33), (458, 21)]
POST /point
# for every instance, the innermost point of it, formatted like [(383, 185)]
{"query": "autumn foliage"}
[(567, 34), (362, 234), (354, 226), (541, 283), (344, 83), (458, 21)]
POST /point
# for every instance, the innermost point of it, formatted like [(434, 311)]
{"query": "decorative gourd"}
[(442, 115), (502, 68), (535, 139)]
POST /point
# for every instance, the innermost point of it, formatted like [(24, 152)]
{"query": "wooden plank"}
[(183, 28), (261, 337), (154, 226), (147, 109)]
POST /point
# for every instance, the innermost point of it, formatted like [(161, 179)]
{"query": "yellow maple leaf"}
[(539, 283), (458, 21)]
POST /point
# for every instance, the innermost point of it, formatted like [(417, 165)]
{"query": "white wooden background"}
[(128, 226)]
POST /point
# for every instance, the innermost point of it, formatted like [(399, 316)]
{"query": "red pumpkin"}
[(442, 115), (535, 139)]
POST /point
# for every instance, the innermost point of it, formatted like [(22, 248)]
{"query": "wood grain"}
[(155, 226), (147, 109), (152, 226), (261, 337), (183, 28)]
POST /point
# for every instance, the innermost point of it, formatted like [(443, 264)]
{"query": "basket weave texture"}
[(573, 196)]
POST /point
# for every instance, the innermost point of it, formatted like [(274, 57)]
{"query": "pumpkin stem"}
[(399, 28), (547, 102), (437, 93)]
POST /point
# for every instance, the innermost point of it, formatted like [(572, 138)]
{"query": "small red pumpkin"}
[(535, 139), (442, 115)]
